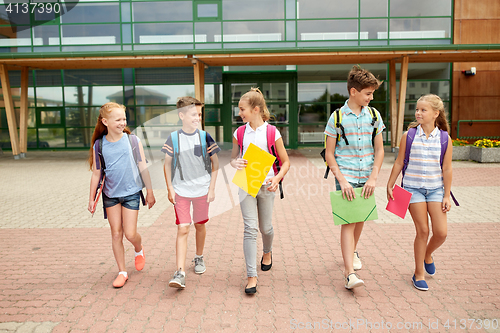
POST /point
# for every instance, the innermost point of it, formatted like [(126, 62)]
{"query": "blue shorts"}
[(130, 201), (425, 195), (337, 185)]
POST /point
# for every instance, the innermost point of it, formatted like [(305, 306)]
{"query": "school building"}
[(60, 61)]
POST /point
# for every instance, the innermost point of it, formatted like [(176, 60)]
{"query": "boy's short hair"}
[(360, 79), (183, 102)]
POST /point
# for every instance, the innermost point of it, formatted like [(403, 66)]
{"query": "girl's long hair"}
[(436, 104), (256, 98), (100, 129)]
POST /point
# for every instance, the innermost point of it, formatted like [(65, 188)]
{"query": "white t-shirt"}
[(259, 138)]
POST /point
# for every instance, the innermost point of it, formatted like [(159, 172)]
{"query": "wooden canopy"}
[(428, 54)]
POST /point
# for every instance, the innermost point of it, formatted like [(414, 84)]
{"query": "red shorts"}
[(183, 210)]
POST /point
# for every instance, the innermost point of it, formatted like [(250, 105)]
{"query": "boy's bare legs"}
[(181, 246), (439, 229), (347, 244), (201, 233), (418, 213)]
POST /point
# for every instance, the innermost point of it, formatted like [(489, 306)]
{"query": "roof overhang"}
[(131, 59)]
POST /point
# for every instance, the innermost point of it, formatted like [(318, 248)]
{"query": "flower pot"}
[(461, 153), (485, 155)]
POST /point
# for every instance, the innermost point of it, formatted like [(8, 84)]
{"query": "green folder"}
[(357, 210)]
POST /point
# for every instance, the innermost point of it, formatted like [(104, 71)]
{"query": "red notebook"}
[(98, 192), (401, 201)]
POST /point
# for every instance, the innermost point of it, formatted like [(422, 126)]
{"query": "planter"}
[(461, 153), (485, 155)]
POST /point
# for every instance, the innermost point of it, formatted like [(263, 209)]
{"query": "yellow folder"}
[(250, 179)]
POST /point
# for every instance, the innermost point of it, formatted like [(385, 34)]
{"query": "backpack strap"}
[(444, 146), (323, 154), (136, 153), (206, 158), (271, 145), (240, 133), (410, 136), (175, 160), (337, 117), (375, 123)]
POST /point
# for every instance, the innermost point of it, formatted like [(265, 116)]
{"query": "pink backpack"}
[(271, 145)]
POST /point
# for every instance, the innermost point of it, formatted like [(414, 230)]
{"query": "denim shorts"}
[(425, 195), (337, 185), (130, 201)]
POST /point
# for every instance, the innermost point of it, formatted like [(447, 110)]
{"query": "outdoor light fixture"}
[(471, 72)]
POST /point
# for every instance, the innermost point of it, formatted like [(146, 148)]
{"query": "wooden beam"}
[(9, 110), (402, 98), (393, 105), (23, 120), (199, 86)]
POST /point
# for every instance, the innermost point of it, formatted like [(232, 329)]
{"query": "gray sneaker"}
[(199, 265), (178, 281)]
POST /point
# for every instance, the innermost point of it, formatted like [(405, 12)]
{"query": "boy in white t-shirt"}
[(190, 172)]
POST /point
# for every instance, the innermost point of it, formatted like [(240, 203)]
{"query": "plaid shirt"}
[(356, 159)]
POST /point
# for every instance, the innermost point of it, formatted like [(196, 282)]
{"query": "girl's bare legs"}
[(123, 221), (129, 218), (357, 233), (115, 222), (439, 229), (418, 212)]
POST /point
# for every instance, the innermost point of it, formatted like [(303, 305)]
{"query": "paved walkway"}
[(56, 263)]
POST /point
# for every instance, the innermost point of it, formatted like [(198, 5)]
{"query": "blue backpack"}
[(409, 140), (175, 159)]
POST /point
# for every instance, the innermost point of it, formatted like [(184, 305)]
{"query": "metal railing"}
[(477, 121)]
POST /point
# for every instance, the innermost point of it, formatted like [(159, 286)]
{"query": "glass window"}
[(326, 9), (206, 31), (253, 10), (213, 93), (290, 9), (92, 13), (238, 90), (207, 10), (78, 137), (322, 30), (275, 92), (49, 96), (92, 77), (163, 33), (440, 88), (253, 31), (311, 134), (212, 114), (279, 113), (154, 95), (51, 137), (312, 113), (374, 8), (90, 34), (46, 35), (418, 28), (328, 92), (125, 6), (15, 16), (161, 11), (50, 117), (290, 30), (373, 28), (81, 116), (20, 38), (167, 75), (420, 8)]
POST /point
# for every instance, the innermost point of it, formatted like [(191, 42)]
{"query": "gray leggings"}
[(256, 212)]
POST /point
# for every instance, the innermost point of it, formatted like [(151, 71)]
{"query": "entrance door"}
[(280, 92)]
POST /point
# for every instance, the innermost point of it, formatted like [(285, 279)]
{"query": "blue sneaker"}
[(430, 268), (420, 284)]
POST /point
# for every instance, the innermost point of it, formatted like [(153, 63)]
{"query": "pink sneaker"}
[(140, 261), (120, 281)]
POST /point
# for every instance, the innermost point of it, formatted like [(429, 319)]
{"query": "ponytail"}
[(100, 129), (256, 98)]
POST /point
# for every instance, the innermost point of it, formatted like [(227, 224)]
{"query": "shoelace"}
[(198, 261), (177, 275)]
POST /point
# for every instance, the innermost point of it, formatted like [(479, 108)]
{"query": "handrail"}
[(476, 121)]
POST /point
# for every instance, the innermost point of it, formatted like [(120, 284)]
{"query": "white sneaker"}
[(352, 281), (356, 262)]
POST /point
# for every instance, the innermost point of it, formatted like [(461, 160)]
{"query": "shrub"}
[(486, 143)]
